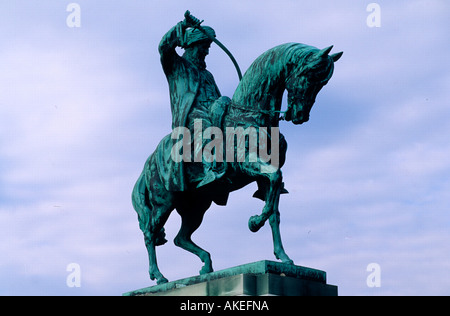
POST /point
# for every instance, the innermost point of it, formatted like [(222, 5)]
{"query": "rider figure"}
[(193, 89)]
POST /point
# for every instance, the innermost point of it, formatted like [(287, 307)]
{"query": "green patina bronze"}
[(219, 145)]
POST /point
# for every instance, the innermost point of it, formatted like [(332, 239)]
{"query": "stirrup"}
[(209, 178)]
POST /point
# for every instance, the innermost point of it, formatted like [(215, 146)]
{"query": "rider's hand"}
[(190, 20)]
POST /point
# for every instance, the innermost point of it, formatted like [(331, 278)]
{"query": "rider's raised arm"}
[(171, 40)]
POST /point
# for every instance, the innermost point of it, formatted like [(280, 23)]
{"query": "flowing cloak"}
[(183, 78)]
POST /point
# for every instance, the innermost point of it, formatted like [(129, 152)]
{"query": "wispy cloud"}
[(80, 111)]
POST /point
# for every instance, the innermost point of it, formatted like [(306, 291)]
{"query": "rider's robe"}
[(192, 91)]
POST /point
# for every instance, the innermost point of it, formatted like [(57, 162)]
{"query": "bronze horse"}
[(300, 69)]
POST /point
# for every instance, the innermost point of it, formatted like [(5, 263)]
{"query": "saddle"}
[(218, 110)]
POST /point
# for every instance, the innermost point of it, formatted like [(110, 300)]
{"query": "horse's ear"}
[(324, 52), (337, 56)]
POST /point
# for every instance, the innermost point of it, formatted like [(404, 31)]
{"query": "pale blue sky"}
[(81, 109)]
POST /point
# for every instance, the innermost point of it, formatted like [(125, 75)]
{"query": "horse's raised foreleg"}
[(272, 198), (272, 213)]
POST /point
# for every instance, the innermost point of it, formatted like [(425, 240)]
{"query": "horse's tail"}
[(140, 199)]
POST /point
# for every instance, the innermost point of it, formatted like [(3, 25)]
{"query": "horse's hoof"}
[(163, 280), (290, 262), (206, 270), (255, 223), (160, 279), (285, 259)]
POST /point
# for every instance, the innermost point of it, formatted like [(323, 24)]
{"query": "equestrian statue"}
[(219, 145)]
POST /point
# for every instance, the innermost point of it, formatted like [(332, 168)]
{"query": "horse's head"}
[(304, 81)]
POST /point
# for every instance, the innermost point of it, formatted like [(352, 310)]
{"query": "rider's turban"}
[(194, 35)]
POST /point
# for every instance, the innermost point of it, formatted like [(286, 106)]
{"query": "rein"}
[(259, 111)]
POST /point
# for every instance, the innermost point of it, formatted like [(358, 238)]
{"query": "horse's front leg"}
[(271, 212), (272, 198), (278, 248)]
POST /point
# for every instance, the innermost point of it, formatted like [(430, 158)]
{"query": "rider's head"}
[(197, 43), (195, 36)]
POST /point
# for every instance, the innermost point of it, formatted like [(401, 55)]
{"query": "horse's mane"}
[(272, 66)]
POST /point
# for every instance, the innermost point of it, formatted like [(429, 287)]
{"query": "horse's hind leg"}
[(152, 215), (153, 238), (153, 269), (190, 222)]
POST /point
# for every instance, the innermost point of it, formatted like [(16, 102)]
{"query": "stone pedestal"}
[(263, 278)]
